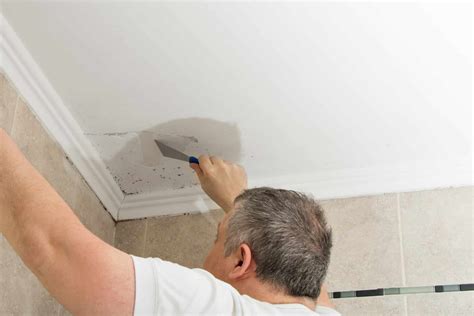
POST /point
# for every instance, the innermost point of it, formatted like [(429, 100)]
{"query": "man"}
[(270, 255)]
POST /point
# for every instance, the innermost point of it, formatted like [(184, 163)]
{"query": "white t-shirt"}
[(165, 288)]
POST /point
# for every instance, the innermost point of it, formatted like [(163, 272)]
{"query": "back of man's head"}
[(288, 235)]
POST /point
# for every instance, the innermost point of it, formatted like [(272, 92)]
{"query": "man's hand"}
[(221, 180)]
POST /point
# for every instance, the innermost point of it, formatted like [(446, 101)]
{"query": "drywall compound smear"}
[(138, 166), (141, 149), (150, 156)]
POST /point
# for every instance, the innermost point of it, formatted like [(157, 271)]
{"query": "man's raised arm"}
[(82, 272)]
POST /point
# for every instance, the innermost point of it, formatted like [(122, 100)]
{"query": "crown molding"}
[(17, 63), (380, 179), (170, 202), (323, 185)]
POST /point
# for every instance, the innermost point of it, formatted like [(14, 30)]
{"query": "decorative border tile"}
[(403, 290)]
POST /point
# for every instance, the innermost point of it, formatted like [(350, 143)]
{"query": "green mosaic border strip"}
[(404, 290)]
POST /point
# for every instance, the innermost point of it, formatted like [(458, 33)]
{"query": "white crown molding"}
[(381, 179), (172, 202), (323, 185), (20, 67), (17, 63)]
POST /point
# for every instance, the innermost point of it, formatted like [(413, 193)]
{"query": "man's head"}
[(276, 237)]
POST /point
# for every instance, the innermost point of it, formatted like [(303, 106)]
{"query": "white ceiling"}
[(285, 89)]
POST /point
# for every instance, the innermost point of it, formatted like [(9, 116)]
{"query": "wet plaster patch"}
[(138, 166), (141, 167)]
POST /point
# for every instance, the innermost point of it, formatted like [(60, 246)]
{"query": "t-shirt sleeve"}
[(145, 289), (165, 288)]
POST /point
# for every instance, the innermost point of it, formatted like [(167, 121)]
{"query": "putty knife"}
[(169, 152)]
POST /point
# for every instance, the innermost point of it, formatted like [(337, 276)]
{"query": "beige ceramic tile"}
[(44, 153), (42, 303), (24, 294), (366, 246), (377, 305), (184, 239), (130, 236), (92, 213), (3, 273), (437, 231), (441, 304), (14, 278), (8, 101), (30, 136)]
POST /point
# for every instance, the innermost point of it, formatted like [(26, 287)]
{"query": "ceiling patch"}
[(138, 165)]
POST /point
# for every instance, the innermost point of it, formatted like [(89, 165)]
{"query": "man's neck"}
[(267, 293)]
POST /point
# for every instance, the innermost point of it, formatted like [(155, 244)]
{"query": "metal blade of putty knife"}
[(169, 152)]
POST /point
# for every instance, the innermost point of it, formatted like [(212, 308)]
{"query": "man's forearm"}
[(32, 214)]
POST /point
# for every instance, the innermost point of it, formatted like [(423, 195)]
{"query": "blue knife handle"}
[(193, 160)]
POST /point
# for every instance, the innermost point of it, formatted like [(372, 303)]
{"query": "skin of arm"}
[(85, 274)]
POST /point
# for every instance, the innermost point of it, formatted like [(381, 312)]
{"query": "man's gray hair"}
[(288, 235)]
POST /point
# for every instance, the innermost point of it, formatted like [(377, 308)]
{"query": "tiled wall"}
[(182, 239), (410, 239), (20, 292), (390, 240)]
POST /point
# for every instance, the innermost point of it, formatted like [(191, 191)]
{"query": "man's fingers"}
[(208, 164), (205, 163), (216, 160), (196, 168)]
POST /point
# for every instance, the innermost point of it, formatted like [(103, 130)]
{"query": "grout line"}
[(14, 118), (405, 305), (144, 237), (400, 235)]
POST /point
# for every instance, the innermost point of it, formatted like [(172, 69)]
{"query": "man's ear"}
[(244, 264)]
